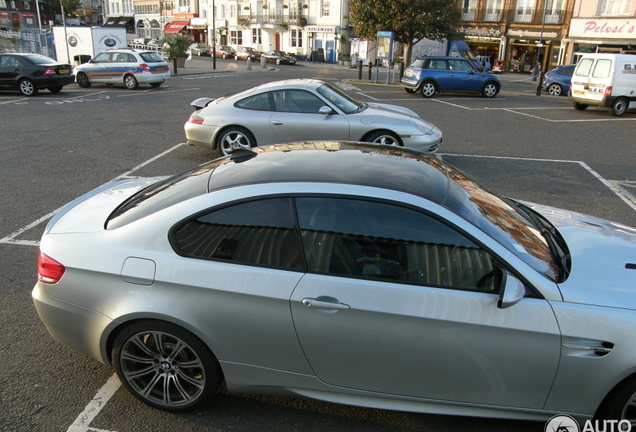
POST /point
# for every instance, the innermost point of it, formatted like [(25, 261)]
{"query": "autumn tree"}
[(410, 20)]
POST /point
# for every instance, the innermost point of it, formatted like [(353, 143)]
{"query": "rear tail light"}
[(145, 67), (50, 71), (608, 91), (195, 120), (49, 270)]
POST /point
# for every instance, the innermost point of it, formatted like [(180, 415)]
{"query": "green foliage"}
[(410, 20), (178, 46), (51, 7)]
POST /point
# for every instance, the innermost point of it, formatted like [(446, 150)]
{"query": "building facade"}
[(604, 26), (522, 33)]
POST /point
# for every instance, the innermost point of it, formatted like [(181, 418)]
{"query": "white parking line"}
[(82, 422)]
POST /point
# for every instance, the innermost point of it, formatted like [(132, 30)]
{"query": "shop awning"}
[(176, 26), (119, 21)]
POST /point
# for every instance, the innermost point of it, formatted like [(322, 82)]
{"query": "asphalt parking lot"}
[(57, 147)]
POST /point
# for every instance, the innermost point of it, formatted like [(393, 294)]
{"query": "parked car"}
[(300, 109), (430, 75), (557, 81), (198, 49), (498, 67), (126, 66), (279, 57), (604, 80), (243, 53), (349, 273), (225, 51), (28, 73)]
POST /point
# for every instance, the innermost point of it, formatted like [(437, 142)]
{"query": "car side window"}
[(376, 240), (257, 232), (259, 102), (9, 62), (102, 58), (459, 66), (298, 101)]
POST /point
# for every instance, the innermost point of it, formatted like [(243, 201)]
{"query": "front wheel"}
[(27, 87), (619, 107), (131, 82), (620, 404), (235, 138), (166, 366), (555, 90), (82, 80), (384, 137), (490, 90), (428, 89), (277, 61)]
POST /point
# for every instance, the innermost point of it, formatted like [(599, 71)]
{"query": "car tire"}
[(224, 56), (620, 404), (235, 138), (580, 106), (409, 90), (555, 89), (384, 137), (428, 89), (131, 82), (55, 89), (277, 61), (166, 366), (155, 85), (82, 80), (27, 87), (619, 106), (490, 90)]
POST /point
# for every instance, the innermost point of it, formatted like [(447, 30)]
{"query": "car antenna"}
[(242, 155)]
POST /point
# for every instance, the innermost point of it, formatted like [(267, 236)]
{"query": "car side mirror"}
[(512, 291), (325, 110)]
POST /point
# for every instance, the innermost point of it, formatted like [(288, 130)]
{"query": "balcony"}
[(554, 17), (492, 15), (284, 19), (523, 16), (468, 14)]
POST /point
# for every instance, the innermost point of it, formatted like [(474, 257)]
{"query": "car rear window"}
[(151, 57), (602, 68), (162, 195), (418, 64), (584, 67)]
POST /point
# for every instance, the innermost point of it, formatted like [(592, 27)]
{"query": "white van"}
[(605, 80)]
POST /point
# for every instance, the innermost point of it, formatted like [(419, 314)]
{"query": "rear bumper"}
[(200, 135), (54, 81)]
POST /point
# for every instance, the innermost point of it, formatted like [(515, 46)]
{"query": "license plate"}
[(160, 68), (64, 71), (579, 92)]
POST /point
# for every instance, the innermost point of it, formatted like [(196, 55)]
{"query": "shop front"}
[(526, 48), (322, 43), (485, 41), (599, 35)]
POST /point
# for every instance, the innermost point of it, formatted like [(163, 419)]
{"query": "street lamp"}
[(213, 35)]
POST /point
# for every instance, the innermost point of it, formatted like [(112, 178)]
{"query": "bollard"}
[(401, 70), (359, 69), (370, 69), (249, 63), (263, 62), (174, 65)]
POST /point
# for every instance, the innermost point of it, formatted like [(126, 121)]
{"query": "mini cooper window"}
[(257, 232), (382, 241)]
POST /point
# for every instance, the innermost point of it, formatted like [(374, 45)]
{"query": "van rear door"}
[(591, 78)]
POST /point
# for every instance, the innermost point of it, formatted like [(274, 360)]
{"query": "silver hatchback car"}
[(302, 109), (351, 273)]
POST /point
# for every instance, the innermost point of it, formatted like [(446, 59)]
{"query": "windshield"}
[(341, 100), (529, 238)]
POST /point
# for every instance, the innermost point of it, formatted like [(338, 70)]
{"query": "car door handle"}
[(326, 303), (277, 122)]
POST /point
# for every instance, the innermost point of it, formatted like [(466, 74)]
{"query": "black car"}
[(279, 57), (28, 73)]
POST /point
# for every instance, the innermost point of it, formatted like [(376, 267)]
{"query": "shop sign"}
[(603, 28), (320, 29), (520, 33), (481, 31)]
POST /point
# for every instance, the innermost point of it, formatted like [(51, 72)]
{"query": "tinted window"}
[(151, 57), (257, 232), (382, 241), (260, 102), (602, 68), (567, 71), (437, 65), (298, 101)]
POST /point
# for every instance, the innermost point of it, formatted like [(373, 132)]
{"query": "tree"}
[(53, 7), (410, 20)]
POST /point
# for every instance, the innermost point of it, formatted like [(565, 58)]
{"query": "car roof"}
[(380, 166)]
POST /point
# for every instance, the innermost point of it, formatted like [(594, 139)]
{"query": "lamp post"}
[(539, 46), (335, 45), (213, 35)]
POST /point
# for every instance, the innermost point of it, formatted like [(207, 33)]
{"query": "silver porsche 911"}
[(389, 280), (299, 110)]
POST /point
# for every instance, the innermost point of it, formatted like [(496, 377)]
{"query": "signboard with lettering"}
[(604, 28), (385, 45)]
